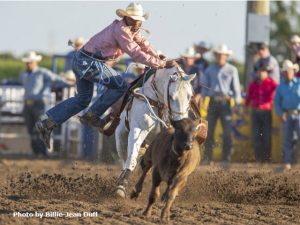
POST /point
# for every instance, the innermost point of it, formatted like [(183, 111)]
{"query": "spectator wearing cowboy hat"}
[(265, 58), (201, 48), (37, 82), (260, 97), (222, 83), (187, 63), (188, 59), (287, 105), (295, 48), (91, 64)]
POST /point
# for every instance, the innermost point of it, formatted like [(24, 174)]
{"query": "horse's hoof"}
[(120, 192)]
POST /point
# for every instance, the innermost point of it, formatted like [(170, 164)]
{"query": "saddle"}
[(112, 120)]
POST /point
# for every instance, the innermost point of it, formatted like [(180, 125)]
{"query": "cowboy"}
[(265, 58), (295, 48), (187, 63), (287, 105), (93, 63), (202, 48), (37, 83), (221, 82), (201, 63), (188, 59), (260, 96)]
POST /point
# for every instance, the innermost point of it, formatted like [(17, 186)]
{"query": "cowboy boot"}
[(122, 183), (44, 126), (92, 120)]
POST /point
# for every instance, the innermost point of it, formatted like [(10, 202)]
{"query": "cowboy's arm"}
[(275, 74), (236, 87), (52, 77), (128, 45), (145, 45)]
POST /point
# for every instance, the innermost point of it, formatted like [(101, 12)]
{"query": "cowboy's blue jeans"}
[(218, 110), (291, 125), (87, 72)]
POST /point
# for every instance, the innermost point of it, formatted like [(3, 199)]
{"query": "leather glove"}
[(162, 56), (170, 64)]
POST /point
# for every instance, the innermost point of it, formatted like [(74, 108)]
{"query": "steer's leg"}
[(176, 186), (154, 194)]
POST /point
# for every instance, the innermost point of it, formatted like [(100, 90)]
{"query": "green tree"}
[(285, 21)]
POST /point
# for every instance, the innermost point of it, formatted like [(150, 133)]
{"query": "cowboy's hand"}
[(162, 56), (170, 63), (283, 117)]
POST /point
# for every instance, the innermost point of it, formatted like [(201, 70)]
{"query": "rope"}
[(150, 108)]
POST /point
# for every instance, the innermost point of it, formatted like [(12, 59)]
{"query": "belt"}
[(32, 102), (92, 55), (292, 111), (220, 98)]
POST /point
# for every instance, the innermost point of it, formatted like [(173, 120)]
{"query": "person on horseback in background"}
[(93, 62)]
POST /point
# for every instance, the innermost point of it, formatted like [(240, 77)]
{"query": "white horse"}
[(171, 87)]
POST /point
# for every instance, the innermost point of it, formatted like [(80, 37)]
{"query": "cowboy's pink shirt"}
[(117, 38)]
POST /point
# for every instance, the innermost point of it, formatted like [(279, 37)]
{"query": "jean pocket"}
[(82, 65)]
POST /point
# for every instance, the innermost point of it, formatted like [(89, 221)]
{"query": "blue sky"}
[(174, 26)]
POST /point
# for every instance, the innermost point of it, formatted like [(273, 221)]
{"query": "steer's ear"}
[(190, 77)]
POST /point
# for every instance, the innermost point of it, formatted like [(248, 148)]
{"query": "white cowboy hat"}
[(287, 64), (31, 57), (204, 45), (190, 53), (134, 11), (295, 39), (222, 49)]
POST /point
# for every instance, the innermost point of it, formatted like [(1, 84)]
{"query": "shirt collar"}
[(33, 71), (291, 82)]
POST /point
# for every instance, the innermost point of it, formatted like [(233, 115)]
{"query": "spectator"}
[(78, 43), (223, 84), (37, 83), (260, 96), (93, 63), (201, 63), (287, 105), (202, 48), (265, 58), (295, 47), (187, 63)]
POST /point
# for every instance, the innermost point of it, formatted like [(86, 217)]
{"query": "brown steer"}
[(174, 155)]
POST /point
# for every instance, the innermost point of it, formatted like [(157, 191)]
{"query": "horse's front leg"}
[(140, 126), (122, 139)]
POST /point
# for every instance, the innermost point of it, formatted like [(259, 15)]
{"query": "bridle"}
[(173, 78)]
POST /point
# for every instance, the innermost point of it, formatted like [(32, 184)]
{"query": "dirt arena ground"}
[(244, 194)]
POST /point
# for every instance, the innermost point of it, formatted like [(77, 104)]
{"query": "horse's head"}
[(178, 91)]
